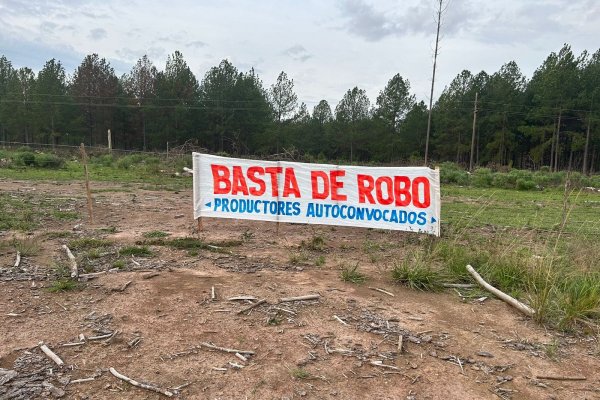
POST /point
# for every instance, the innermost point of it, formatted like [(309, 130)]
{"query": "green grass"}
[(316, 243), (155, 234), (139, 251), (27, 247), (89, 243), (352, 275), (300, 373), (416, 275), (62, 285), (65, 215)]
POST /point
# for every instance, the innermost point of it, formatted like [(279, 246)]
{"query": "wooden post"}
[(84, 160), (109, 142), (200, 227)]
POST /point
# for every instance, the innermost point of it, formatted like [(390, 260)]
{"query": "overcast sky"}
[(325, 46)]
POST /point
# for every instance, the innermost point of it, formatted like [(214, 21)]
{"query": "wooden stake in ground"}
[(525, 309), (84, 160), (141, 385), (74, 270)]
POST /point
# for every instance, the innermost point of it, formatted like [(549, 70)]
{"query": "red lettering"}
[(290, 184), (426, 192), (238, 183), (221, 183), (389, 190), (402, 191), (314, 178), (273, 171), (335, 185), (252, 172), (365, 187)]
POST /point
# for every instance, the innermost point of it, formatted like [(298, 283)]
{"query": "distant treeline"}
[(551, 120)]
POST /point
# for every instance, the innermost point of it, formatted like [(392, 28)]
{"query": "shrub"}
[(24, 158), (50, 161), (482, 177), (526, 184), (452, 173)]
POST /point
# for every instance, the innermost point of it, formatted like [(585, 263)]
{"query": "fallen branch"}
[(225, 349), (18, 260), (82, 380), (561, 378), (73, 344), (458, 285), (250, 307), (382, 291), (141, 385), (525, 309), (51, 355), (241, 357), (150, 275), (122, 288), (74, 271), (340, 320), (101, 336), (241, 298), (300, 298), (382, 365), (91, 275), (213, 295)]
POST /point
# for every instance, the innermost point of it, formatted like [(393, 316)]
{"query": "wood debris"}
[(51, 355), (141, 385), (225, 349), (300, 298), (382, 291), (250, 307), (74, 269)]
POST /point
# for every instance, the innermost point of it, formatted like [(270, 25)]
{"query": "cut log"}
[(51, 355), (525, 309), (141, 385), (74, 271)]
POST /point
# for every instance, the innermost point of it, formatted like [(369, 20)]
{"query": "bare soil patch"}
[(451, 348)]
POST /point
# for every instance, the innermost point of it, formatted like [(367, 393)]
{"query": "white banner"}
[(405, 199)]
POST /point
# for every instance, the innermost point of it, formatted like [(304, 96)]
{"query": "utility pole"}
[(473, 134), (435, 54)]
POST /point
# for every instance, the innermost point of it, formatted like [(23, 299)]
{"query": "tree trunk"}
[(557, 147), (552, 147), (587, 146)]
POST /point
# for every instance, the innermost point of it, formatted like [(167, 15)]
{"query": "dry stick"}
[(225, 349), (18, 260), (458, 285), (92, 275), (241, 357), (141, 385), (73, 344), (250, 307), (561, 378), (84, 159), (82, 380), (525, 309), (241, 298), (74, 271), (300, 298), (400, 339), (100, 337), (382, 291), (340, 320), (382, 365), (213, 296), (51, 355)]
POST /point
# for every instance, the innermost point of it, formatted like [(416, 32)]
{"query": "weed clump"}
[(350, 274)]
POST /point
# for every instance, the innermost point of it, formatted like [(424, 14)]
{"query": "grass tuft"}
[(155, 234), (350, 274), (139, 251), (62, 285), (416, 274)]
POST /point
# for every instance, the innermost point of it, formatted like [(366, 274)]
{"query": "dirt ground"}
[(342, 346)]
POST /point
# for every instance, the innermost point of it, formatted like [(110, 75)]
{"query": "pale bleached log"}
[(141, 385), (225, 349), (82, 380), (51, 355), (525, 309), (341, 321), (300, 298), (18, 259), (241, 357), (458, 285), (74, 271), (213, 295)]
